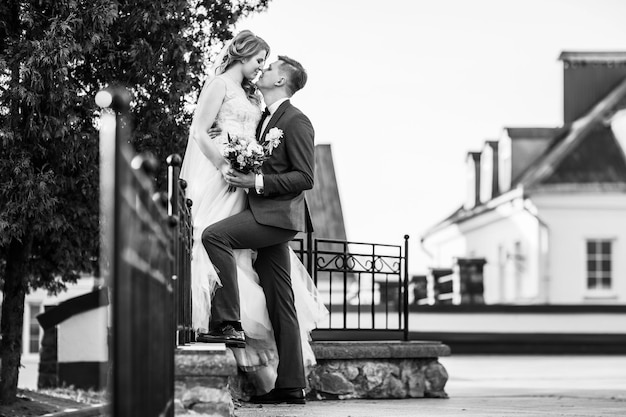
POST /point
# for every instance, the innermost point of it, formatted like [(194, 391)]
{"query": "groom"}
[(275, 214)]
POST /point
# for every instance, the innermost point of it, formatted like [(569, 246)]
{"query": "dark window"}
[(35, 330), (599, 264)]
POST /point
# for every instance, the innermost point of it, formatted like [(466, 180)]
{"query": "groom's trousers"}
[(273, 266)]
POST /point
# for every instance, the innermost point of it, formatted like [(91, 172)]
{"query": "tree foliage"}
[(54, 56)]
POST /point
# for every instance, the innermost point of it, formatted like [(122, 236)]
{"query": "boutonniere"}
[(272, 139)]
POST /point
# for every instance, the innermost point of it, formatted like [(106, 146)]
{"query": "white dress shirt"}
[(258, 180)]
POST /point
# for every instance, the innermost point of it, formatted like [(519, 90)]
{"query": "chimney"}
[(587, 78), (489, 171), (520, 147), (472, 164)]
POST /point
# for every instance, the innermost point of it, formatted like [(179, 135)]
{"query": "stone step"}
[(378, 369), (207, 378), (203, 373)]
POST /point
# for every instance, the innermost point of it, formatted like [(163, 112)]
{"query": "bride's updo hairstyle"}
[(244, 46)]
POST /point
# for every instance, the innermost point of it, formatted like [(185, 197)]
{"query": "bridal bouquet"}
[(248, 156)]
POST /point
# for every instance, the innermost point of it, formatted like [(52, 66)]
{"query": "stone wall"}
[(381, 369), (202, 380), (378, 370)]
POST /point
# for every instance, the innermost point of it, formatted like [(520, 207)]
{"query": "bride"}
[(231, 101)]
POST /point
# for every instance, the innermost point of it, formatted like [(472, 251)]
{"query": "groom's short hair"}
[(296, 74)]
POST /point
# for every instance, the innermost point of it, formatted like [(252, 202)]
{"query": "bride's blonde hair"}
[(244, 46)]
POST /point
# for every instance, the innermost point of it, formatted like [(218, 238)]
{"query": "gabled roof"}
[(533, 132), (74, 306), (593, 57), (569, 160), (579, 130)]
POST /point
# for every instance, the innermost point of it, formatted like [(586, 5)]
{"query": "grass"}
[(45, 401)]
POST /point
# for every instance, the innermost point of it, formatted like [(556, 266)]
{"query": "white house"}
[(546, 207), (35, 303)]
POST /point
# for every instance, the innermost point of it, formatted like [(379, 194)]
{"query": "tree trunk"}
[(13, 319)]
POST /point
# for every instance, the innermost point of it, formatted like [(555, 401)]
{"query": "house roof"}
[(570, 159), (73, 306), (533, 132), (603, 57), (462, 214), (582, 128)]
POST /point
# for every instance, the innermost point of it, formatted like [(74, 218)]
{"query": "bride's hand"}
[(224, 169)]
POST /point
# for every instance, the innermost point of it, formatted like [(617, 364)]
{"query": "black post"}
[(406, 288), (309, 255), (174, 162)]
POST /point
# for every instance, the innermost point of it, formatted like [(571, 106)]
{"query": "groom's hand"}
[(238, 179), (214, 132)]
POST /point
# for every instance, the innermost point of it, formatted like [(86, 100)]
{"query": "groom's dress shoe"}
[(225, 334), (279, 396)]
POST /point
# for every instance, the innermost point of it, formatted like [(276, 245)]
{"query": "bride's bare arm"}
[(206, 112)]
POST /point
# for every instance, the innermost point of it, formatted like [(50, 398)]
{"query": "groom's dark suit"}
[(271, 220)]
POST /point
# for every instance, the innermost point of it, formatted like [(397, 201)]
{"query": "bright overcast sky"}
[(403, 89)]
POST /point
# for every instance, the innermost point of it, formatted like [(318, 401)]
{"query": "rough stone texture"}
[(241, 386), (378, 370), (336, 383), (348, 370), (436, 377), (377, 378), (202, 381), (192, 360)]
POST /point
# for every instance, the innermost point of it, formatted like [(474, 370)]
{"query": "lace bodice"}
[(238, 116)]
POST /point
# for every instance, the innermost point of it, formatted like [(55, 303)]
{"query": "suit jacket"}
[(287, 172)]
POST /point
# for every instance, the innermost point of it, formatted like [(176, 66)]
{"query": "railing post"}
[(138, 261), (309, 255), (174, 162), (406, 288)]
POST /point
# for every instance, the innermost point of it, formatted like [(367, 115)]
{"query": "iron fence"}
[(138, 262), (179, 211), (364, 286)]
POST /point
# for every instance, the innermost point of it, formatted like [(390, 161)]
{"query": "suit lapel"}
[(275, 118)]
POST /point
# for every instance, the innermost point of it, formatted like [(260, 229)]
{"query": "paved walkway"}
[(494, 386)]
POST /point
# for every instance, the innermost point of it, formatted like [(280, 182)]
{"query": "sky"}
[(403, 89)]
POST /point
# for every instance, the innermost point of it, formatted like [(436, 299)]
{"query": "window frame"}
[(598, 258)]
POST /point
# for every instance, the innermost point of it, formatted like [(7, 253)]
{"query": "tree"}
[(54, 56)]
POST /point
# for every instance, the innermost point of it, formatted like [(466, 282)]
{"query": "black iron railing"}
[(138, 263), (179, 210), (364, 286)]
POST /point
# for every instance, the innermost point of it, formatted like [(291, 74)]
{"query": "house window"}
[(599, 265), (34, 335)]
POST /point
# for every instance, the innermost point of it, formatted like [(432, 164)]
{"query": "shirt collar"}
[(275, 105)]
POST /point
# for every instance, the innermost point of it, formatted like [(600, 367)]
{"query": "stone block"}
[(223, 409), (341, 373), (436, 377), (201, 360), (379, 350), (335, 383), (202, 380)]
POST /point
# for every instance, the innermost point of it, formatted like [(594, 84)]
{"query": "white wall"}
[(508, 238), (445, 245), (83, 337), (572, 219), (28, 374)]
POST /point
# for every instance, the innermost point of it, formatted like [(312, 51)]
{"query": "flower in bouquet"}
[(244, 156)]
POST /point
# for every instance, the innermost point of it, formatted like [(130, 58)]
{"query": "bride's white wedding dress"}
[(212, 201)]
